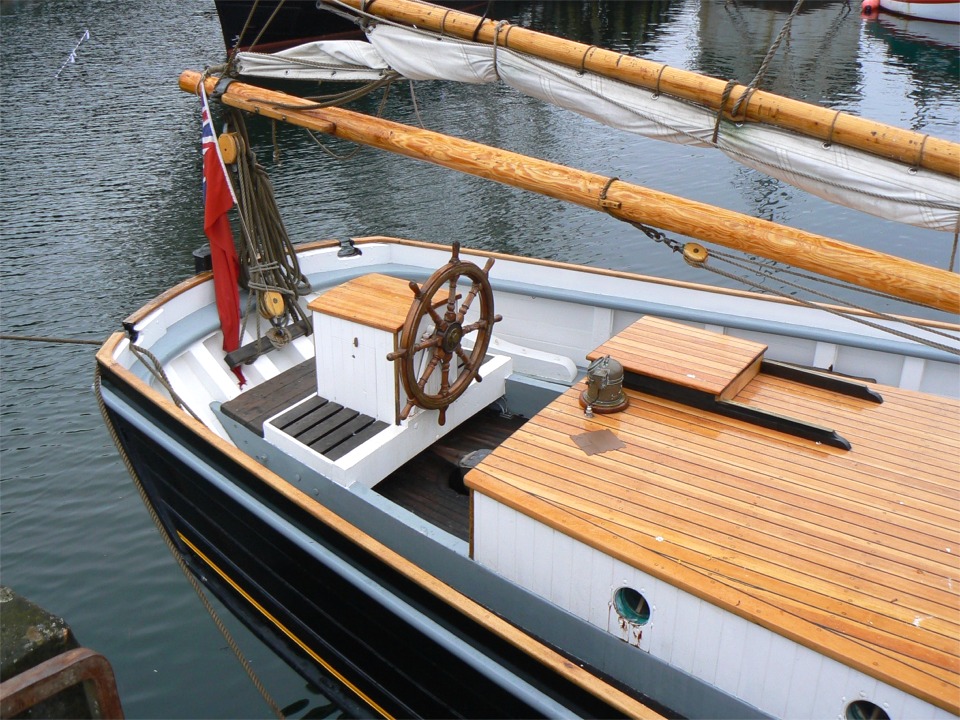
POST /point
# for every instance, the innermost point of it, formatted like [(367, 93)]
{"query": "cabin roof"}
[(853, 553)]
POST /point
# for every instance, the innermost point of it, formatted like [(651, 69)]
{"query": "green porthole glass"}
[(632, 606), (865, 710)]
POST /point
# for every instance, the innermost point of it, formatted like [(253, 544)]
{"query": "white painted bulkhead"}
[(776, 675)]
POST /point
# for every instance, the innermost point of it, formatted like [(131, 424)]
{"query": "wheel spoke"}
[(428, 343), (437, 320), (452, 297), (444, 376), (428, 371), (466, 365), (465, 305)]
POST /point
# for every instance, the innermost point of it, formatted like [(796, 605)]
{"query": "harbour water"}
[(100, 211)]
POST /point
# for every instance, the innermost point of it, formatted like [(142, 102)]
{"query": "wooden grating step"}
[(328, 427)]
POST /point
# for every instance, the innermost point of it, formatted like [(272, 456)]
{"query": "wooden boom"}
[(832, 258), (912, 148)]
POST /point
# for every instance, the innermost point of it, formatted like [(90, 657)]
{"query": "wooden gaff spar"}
[(911, 148), (898, 277)]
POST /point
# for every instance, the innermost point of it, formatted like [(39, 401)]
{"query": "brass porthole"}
[(632, 606)]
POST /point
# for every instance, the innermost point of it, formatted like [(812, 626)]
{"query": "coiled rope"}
[(267, 257)]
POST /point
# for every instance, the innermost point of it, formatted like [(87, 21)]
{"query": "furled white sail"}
[(842, 175), (341, 60)]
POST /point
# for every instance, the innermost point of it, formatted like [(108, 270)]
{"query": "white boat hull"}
[(938, 10)]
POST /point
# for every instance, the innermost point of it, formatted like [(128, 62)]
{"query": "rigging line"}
[(246, 26), (416, 105), (757, 267), (953, 252), (380, 109), (267, 23), (60, 340), (765, 64), (336, 99), (177, 555), (769, 270), (839, 313)]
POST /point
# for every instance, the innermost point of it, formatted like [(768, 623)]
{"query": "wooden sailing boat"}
[(494, 486)]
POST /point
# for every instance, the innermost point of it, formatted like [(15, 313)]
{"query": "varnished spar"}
[(828, 257), (912, 148)]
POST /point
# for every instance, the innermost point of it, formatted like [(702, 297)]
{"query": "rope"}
[(728, 88), (953, 251), (60, 340), (246, 24), (338, 99), (256, 40), (155, 368), (267, 258), (745, 96), (383, 103), (766, 271), (172, 547), (784, 31)]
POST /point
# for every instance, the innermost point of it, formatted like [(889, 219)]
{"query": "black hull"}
[(297, 21), (340, 616)]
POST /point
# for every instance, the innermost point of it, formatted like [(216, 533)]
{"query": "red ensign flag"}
[(218, 199)]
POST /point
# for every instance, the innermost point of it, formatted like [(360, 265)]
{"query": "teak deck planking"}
[(852, 553), (375, 300)]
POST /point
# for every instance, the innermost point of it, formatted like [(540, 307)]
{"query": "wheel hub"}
[(452, 337)]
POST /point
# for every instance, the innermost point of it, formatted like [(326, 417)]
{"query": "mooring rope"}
[(177, 555), (156, 369), (59, 340)]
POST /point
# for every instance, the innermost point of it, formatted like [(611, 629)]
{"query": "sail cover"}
[(839, 174), (342, 60)]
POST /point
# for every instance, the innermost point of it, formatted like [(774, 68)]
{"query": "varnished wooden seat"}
[(253, 407)]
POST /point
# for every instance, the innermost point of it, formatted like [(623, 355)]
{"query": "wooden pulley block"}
[(271, 304), (694, 253), (229, 147)]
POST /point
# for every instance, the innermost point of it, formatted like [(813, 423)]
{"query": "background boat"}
[(74, 535), (277, 24), (946, 11)]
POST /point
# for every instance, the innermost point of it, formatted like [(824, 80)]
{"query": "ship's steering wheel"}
[(441, 345)]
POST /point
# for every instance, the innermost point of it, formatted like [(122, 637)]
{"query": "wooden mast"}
[(911, 148), (832, 258)]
